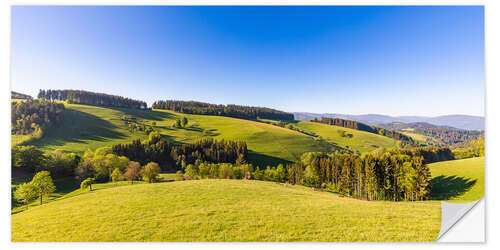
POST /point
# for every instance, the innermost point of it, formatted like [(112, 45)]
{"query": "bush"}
[(25, 193), (226, 171), (87, 183), (191, 172), (179, 176)]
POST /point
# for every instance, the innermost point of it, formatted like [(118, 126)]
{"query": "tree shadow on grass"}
[(79, 126), (447, 187), (262, 160)]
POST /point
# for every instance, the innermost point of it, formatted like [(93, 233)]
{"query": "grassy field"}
[(458, 180), (224, 210), (360, 141), (90, 127), (69, 187)]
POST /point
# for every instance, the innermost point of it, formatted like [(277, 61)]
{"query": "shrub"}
[(226, 171), (179, 176), (117, 175), (191, 171), (25, 193), (87, 183)]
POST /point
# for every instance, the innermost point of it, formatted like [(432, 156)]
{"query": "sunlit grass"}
[(458, 180), (360, 141), (224, 210)]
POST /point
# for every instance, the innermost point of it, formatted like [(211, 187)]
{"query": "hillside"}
[(90, 127), (360, 141), (224, 210), (458, 180)]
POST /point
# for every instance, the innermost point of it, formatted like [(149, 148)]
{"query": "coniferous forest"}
[(31, 116), (91, 98), (174, 157), (363, 127), (237, 111)]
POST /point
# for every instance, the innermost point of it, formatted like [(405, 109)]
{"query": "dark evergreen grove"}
[(32, 116), (91, 98), (430, 154), (363, 127), (237, 111), (175, 157)]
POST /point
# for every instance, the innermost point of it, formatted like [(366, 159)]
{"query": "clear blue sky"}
[(355, 60)]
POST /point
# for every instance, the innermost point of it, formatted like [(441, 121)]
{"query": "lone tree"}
[(26, 193), (116, 175), (178, 123), (133, 171), (44, 184), (184, 121), (87, 183), (150, 172)]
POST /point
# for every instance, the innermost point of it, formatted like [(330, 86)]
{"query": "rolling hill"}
[(458, 180), (358, 141), (224, 210), (90, 127)]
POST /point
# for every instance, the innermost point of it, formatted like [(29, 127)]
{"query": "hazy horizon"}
[(396, 61)]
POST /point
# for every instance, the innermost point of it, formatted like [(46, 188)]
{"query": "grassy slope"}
[(224, 210), (91, 127), (361, 141), (458, 180), (418, 137)]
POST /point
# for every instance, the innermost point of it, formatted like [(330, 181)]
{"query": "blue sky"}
[(355, 60)]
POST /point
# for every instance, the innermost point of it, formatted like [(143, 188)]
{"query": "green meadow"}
[(224, 210), (91, 127), (360, 141), (458, 180)]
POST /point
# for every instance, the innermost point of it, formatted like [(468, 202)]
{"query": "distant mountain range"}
[(457, 121)]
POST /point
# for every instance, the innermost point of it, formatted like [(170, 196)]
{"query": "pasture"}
[(224, 210), (91, 127), (359, 141), (458, 180)]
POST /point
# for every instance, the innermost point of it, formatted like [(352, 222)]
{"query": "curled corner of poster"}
[(462, 222)]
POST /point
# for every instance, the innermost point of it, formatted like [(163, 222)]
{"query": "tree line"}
[(175, 157), (363, 127), (385, 176), (231, 110), (91, 98), (33, 116), (430, 154)]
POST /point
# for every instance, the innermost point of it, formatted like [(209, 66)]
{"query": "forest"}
[(91, 98), (449, 136), (385, 176), (33, 116), (175, 157), (363, 127), (236, 111)]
